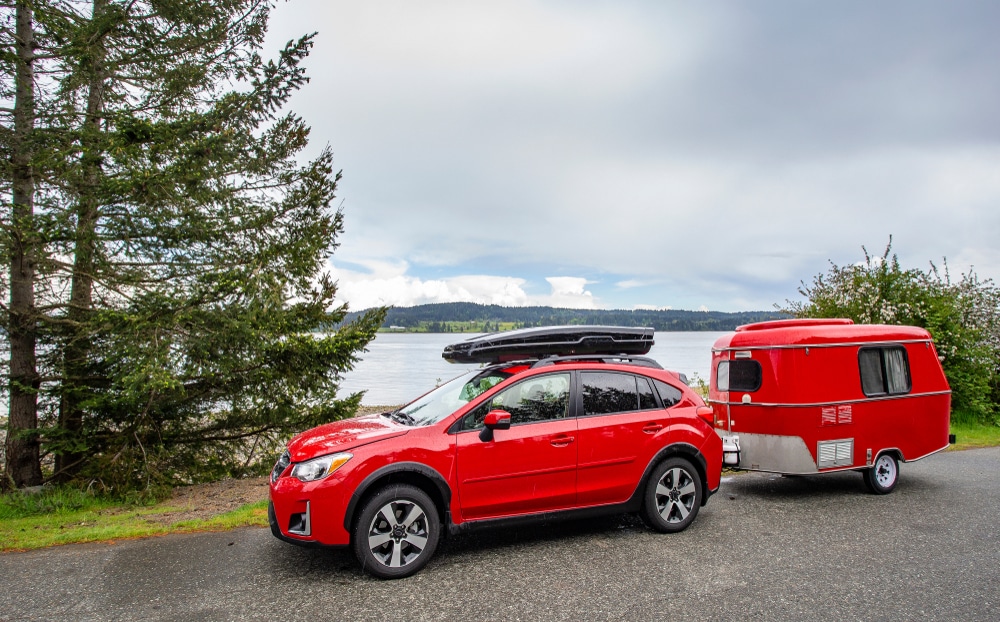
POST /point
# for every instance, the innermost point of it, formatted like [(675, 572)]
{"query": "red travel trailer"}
[(820, 395)]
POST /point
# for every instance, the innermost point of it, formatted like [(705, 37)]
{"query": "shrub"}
[(962, 316)]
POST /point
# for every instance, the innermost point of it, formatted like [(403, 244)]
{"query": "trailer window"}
[(884, 371), (742, 375)]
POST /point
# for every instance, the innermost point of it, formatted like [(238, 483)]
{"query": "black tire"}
[(673, 495), (882, 477), (397, 532)]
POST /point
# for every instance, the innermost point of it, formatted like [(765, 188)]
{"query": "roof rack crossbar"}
[(639, 361)]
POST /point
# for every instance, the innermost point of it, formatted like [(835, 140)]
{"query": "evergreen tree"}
[(20, 242), (181, 246)]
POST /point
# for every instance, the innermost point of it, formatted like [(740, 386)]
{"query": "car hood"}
[(343, 435)]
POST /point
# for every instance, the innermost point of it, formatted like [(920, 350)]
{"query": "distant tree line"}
[(443, 317)]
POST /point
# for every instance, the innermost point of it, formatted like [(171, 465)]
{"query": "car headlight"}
[(318, 468), (280, 466)]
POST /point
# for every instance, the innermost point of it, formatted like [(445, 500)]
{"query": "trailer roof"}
[(816, 331)]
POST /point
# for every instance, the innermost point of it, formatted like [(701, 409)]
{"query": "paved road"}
[(765, 548)]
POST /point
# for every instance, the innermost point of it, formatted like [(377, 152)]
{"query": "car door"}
[(529, 468), (619, 428)]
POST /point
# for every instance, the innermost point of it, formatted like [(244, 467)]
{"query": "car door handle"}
[(652, 428), (561, 441)]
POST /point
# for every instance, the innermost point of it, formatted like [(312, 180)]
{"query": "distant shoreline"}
[(467, 317)]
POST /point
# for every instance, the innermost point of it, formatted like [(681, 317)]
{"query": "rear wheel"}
[(882, 477), (397, 532), (673, 495)]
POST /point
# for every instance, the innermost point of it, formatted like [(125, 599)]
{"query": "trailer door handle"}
[(652, 428)]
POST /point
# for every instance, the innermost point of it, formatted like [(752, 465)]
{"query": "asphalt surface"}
[(764, 548)]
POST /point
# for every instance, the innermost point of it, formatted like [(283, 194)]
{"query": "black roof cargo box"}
[(535, 343)]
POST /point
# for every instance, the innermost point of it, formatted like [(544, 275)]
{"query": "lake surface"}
[(399, 367)]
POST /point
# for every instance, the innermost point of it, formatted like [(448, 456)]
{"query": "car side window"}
[(647, 401), (605, 393), (539, 398), (670, 394)]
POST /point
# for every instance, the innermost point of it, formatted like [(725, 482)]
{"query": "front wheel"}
[(397, 532), (673, 496), (882, 477)]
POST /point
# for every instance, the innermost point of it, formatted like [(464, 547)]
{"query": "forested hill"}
[(472, 317)]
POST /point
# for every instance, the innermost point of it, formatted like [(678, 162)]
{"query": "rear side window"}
[(739, 375), (605, 393), (884, 370), (668, 393)]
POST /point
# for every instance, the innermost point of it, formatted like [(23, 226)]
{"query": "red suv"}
[(576, 426)]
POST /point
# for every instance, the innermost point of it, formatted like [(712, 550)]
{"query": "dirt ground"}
[(203, 501)]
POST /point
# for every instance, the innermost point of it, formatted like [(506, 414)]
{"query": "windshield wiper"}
[(401, 417)]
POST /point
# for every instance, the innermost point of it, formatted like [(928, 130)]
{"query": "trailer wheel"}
[(882, 477), (673, 496)]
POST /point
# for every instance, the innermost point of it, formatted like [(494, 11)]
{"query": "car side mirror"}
[(495, 420)]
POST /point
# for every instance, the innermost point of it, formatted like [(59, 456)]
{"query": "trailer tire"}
[(673, 495), (882, 477)]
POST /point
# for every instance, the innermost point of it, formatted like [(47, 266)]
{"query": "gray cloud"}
[(715, 152)]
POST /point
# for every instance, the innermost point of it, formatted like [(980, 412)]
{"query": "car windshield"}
[(449, 397)]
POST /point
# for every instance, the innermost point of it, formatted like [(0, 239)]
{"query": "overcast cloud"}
[(649, 154)]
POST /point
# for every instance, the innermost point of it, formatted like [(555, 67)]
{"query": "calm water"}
[(399, 367)]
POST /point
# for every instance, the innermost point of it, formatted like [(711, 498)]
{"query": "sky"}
[(649, 154)]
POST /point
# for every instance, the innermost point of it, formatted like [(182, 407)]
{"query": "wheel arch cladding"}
[(689, 453), (412, 473)]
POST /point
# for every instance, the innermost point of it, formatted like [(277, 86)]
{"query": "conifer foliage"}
[(165, 244)]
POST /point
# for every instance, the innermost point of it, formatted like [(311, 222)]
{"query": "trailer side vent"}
[(835, 453)]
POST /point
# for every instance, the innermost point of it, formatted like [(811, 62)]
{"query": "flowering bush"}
[(963, 316)]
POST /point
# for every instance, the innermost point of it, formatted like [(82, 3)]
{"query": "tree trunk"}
[(77, 350), (22, 458)]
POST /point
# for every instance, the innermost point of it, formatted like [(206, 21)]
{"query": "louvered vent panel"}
[(835, 453)]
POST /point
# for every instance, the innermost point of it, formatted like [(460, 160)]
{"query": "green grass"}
[(974, 435), (67, 516)]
